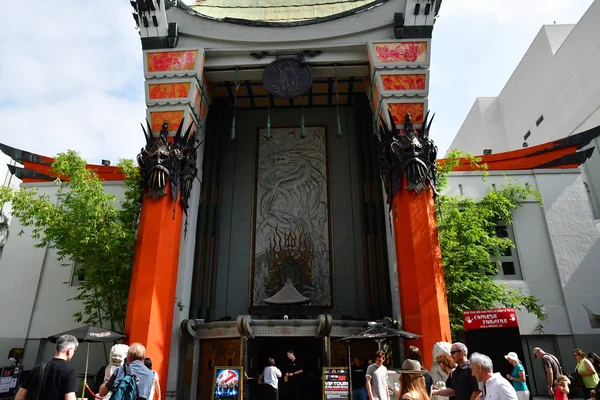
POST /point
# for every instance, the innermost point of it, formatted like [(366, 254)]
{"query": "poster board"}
[(228, 383), (336, 383)]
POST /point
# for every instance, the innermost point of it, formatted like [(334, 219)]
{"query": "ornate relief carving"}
[(292, 215), (162, 162), (172, 60), (409, 153)]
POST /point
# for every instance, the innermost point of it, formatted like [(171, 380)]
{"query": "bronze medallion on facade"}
[(287, 78)]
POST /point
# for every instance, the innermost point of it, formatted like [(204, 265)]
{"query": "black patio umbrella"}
[(89, 334), (378, 333)]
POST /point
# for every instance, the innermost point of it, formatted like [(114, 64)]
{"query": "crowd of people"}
[(472, 377), (129, 375), (468, 378)]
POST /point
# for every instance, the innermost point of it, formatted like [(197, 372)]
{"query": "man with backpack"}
[(131, 381), (54, 379)]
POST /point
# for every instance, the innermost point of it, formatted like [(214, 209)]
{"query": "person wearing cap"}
[(412, 381), (495, 387), (517, 376), (551, 366)]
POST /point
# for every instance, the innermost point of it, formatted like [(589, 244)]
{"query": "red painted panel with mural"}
[(399, 110), (173, 119), (172, 60), (401, 52), (169, 90), (496, 318), (403, 82)]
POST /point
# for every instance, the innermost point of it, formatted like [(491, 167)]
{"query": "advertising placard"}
[(336, 383), (228, 383)]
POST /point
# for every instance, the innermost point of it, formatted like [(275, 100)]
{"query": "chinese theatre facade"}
[(274, 137)]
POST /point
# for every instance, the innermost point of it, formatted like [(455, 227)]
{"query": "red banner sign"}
[(496, 318)]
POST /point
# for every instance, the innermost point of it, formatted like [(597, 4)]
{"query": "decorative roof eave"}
[(180, 4), (560, 153), (37, 168)]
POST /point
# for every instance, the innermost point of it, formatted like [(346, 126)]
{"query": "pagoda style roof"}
[(37, 168), (278, 11)]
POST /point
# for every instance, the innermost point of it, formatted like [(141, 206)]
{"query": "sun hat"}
[(512, 356), (411, 367)]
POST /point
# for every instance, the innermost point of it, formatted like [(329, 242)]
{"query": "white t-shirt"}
[(499, 388), (153, 385), (271, 375), (379, 386)]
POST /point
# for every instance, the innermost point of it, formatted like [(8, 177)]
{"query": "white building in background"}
[(554, 92), (35, 288)]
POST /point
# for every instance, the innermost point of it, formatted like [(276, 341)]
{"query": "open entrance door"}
[(309, 351)]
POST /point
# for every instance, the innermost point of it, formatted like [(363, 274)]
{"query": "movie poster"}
[(227, 384)]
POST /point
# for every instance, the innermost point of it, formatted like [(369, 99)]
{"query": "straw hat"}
[(512, 356), (411, 367)]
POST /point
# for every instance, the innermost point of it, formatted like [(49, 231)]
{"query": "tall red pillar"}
[(154, 281), (424, 308)]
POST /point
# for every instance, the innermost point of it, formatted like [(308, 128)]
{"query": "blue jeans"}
[(359, 394)]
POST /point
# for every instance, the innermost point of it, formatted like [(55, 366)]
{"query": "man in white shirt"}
[(495, 386), (271, 375), (377, 373)]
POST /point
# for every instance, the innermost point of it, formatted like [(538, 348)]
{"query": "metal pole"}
[(87, 356), (349, 369)]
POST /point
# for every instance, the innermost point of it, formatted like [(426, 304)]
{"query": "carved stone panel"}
[(292, 219)]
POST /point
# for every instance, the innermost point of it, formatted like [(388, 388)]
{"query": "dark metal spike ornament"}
[(162, 162), (410, 154)]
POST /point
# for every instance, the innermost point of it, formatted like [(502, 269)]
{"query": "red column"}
[(154, 280), (423, 302)]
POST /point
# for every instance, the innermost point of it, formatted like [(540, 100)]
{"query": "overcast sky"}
[(71, 71)]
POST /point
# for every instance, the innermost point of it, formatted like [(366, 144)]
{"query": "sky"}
[(71, 71)]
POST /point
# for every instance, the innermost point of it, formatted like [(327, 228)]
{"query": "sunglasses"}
[(455, 351)]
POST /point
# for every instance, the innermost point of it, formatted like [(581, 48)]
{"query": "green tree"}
[(469, 244), (88, 227)]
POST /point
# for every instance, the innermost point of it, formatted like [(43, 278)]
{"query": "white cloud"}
[(71, 78)]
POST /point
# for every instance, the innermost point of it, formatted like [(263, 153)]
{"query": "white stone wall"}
[(558, 246)]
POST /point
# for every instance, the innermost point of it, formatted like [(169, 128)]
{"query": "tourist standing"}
[(414, 353), (377, 375), (359, 380), (294, 376), (561, 388), (517, 376), (495, 386), (462, 384), (156, 385), (447, 365), (412, 382), (55, 379), (586, 370), (271, 375), (145, 377), (551, 367)]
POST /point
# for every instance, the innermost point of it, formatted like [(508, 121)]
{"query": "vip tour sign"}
[(227, 383), (336, 383), (496, 318)]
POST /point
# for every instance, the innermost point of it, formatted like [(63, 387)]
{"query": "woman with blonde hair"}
[(561, 387), (412, 381)]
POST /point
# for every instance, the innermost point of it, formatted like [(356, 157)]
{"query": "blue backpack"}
[(127, 387)]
